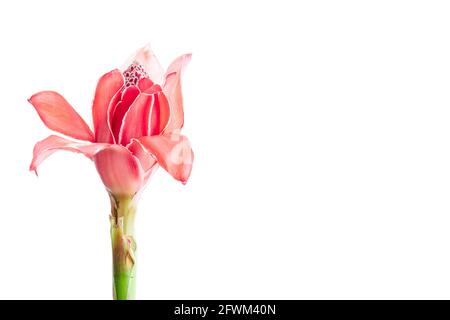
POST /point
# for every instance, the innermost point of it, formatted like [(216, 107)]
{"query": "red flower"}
[(137, 115)]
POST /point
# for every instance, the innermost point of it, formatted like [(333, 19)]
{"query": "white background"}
[(321, 134)]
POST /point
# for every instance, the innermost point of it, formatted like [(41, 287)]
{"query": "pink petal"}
[(172, 90), (58, 115), (107, 87), (112, 109), (173, 153), (53, 143), (147, 160), (146, 58), (160, 115), (144, 84), (136, 121), (120, 171), (128, 97), (155, 88)]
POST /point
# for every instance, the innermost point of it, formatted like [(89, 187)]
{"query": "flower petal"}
[(111, 110), (128, 97), (147, 160), (136, 121), (58, 115), (173, 153), (146, 58), (107, 87), (172, 90), (160, 114), (53, 143), (120, 171), (144, 84)]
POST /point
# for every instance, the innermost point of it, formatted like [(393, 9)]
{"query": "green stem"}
[(123, 211)]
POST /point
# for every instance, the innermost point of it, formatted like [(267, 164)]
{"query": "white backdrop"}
[(321, 134)]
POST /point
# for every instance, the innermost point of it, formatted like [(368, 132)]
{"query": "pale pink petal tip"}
[(173, 92), (146, 58)]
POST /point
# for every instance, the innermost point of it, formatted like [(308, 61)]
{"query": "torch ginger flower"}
[(137, 116)]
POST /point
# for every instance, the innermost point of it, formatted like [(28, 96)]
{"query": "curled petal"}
[(107, 88), (172, 90), (58, 115), (120, 171), (146, 58), (111, 110), (147, 160), (173, 152), (128, 97), (53, 143), (160, 114), (136, 121)]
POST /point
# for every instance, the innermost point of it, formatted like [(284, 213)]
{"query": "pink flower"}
[(137, 116)]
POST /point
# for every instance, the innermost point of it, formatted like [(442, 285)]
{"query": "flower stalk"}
[(123, 212)]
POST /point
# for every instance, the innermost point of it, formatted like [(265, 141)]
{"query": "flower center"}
[(133, 74)]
